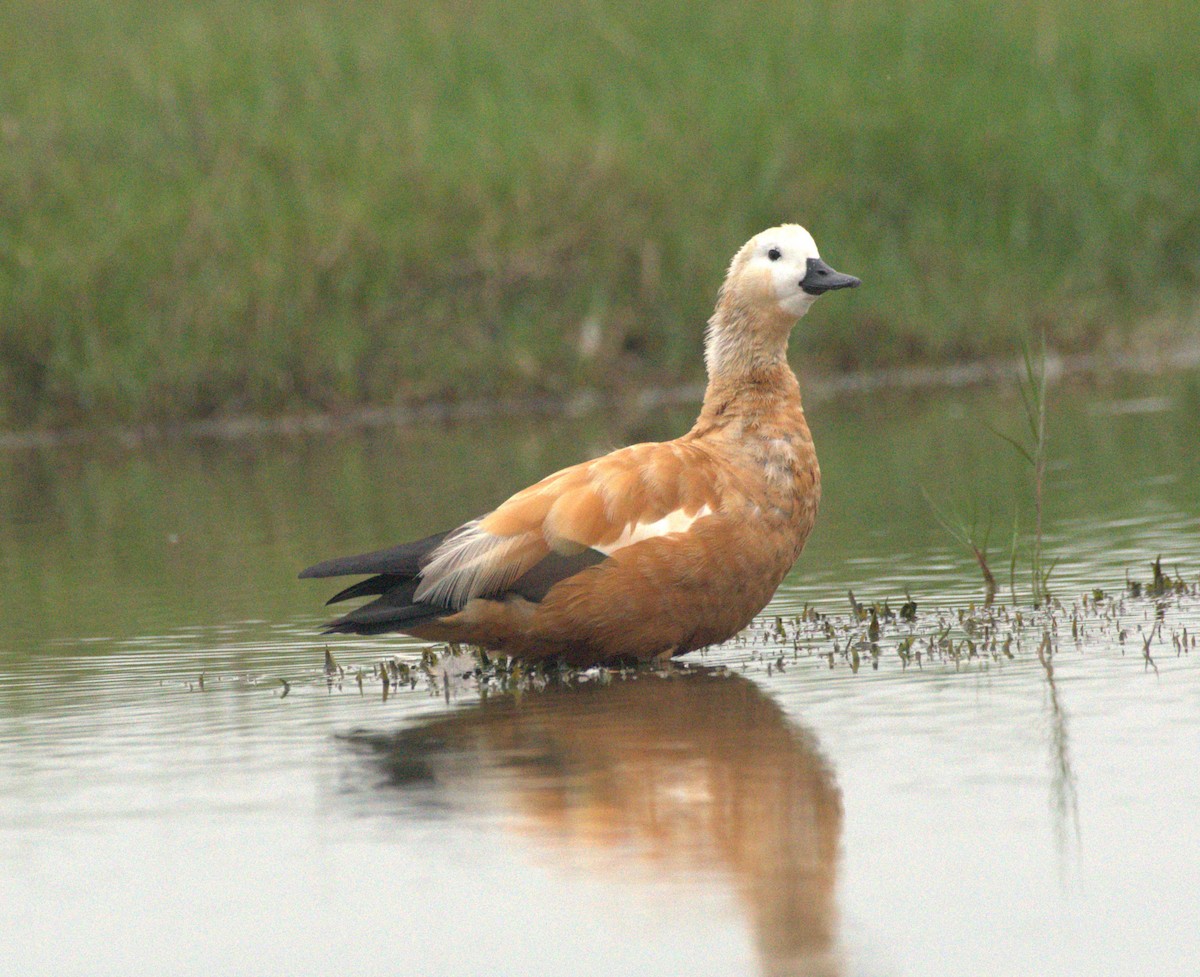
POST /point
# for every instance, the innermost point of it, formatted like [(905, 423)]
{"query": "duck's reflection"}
[(699, 772)]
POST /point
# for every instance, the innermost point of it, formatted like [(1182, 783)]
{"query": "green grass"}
[(263, 205)]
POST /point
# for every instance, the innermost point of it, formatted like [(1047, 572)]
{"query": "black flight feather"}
[(536, 582), (404, 560)]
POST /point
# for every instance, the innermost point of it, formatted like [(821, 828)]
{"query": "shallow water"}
[(969, 814)]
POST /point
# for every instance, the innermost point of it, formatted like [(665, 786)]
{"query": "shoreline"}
[(816, 388)]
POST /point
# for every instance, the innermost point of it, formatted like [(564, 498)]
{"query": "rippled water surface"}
[(183, 790)]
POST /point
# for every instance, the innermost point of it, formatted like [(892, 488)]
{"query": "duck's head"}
[(773, 280), (780, 272)]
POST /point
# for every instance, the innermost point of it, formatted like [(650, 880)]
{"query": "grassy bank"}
[(265, 204)]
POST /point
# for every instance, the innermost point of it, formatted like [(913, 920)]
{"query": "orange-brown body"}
[(655, 549), (750, 459)]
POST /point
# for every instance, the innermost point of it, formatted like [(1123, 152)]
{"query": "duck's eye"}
[(774, 254)]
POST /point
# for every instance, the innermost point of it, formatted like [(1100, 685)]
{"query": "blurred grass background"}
[(216, 207)]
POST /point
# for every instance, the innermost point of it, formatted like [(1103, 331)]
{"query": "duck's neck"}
[(746, 355)]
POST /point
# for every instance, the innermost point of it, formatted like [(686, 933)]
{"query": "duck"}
[(654, 550)]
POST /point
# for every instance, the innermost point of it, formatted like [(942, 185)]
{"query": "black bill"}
[(820, 278)]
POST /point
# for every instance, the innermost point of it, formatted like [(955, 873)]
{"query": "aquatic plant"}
[(1032, 449), (1032, 388), (967, 535)]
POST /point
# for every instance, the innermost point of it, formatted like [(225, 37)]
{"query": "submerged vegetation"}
[(263, 206), (1157, 618)]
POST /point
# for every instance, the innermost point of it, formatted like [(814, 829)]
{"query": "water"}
[(987, 815)]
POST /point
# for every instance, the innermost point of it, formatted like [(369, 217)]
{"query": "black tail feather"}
[(394, 584), (371, 587), (395, 608), (383, 621)]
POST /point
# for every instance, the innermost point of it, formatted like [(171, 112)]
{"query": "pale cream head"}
[(781, 255), (773, 280)]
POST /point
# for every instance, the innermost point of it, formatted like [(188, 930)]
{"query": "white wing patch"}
[(470, 563), (676, 521)]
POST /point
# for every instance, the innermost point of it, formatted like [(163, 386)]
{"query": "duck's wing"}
[(546, 533), (577, 516)]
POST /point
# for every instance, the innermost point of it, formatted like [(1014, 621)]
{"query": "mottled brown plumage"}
[(655, 549)]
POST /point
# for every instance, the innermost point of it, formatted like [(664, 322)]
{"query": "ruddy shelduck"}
[(653, 550)]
